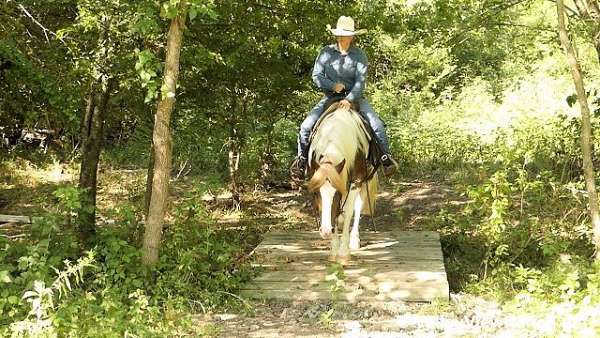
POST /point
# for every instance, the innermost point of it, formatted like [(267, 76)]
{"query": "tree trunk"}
[(161, 139), (597, 44), (234, 150), (234, 165), (267, 159), (586, 130), (89, 112), (91, 139), (149, 177)]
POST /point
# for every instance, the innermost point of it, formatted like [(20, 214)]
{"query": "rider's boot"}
[(298, 169), (389, 164)]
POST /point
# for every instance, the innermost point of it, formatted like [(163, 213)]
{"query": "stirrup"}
[(389, 164), (298, 169)]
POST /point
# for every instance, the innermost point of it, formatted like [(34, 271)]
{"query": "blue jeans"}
[(366, 111)]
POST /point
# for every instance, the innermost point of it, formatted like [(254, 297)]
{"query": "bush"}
[(107, 293)]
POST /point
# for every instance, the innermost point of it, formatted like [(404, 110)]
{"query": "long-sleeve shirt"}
[(332, 67)]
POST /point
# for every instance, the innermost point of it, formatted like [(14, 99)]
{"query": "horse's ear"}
[(340, 166)]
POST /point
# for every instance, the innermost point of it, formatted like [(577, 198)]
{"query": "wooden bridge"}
[(398, 266)]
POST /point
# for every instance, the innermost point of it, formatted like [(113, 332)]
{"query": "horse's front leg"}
[(354, 236), (335, 239), (344, 252)]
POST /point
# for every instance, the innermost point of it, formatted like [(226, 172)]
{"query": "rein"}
[(364, 181)]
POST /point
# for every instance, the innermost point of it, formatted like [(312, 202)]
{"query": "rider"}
[(340, 71)]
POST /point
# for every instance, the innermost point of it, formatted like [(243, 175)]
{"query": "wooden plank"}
[(400, 266), (404, 236), (378, 287), (364, 255), (381, 247), (420, 265), (389, 234), (359, 274), (14, 219), (415, 294), (364, 244)]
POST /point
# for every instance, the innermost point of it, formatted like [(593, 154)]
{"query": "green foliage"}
[(200, 269), (148, 68), (42, 299), (474, 93)]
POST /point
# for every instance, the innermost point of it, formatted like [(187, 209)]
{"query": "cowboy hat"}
[(345, 27)]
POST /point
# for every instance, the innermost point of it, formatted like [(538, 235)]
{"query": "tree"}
[(92, 131), (92, 137), (586, 129), (114, 25), (161, 137)]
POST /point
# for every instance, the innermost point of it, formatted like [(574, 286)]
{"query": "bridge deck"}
[(399, 266)]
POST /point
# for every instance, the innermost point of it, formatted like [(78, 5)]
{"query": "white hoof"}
[(325, 232), (354, 242)]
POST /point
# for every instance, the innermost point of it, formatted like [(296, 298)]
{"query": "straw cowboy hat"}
[(345, 27)]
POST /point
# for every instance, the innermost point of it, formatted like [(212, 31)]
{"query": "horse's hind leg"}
[(354, 236)]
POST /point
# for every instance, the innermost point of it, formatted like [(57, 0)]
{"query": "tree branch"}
[(541, 29), (582, 9), (594, 8), (572, 11), (482, 18), (44, 29)]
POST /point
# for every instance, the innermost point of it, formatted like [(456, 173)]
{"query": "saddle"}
[(375, 151)]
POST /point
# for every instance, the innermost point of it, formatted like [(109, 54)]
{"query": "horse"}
[(340, 179)]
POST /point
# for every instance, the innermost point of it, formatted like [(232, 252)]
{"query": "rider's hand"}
[(345, 104), (338, 87)]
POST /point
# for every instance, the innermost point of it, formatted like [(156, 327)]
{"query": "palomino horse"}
[(339, 177)]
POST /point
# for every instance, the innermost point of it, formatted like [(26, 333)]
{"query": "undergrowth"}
[(523, 237), (49, 288)]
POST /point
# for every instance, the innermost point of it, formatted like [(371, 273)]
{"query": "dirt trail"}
[(400, 206)]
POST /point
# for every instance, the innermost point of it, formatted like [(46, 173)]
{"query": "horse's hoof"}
[(325, 234), (343, 260), (354, 243)]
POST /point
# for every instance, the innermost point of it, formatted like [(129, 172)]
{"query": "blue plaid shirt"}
[(332, 67)]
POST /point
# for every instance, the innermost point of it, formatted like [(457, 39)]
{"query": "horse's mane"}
[(340, 136)]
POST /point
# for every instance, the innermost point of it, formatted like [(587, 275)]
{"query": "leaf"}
[(571, 99), (169, 9), (193, 13), (29, 294), (5, 277)]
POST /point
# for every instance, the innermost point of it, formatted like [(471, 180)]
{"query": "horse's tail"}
[(327, 171)]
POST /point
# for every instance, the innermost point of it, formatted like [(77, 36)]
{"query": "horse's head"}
[(328, 187)]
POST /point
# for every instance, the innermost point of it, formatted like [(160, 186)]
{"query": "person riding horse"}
[(340, 71)]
